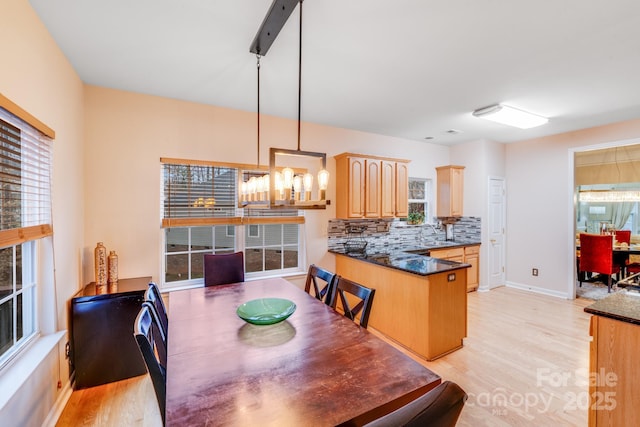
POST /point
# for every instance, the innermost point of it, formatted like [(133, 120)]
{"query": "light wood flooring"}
[(524, 363)]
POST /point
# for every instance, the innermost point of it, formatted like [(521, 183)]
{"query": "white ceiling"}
[(406, 68)]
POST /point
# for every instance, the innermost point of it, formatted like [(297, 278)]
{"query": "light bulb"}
[(287, 177), (297, 186)]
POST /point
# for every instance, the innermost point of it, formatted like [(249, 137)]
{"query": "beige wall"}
[(39, 79), (540, 211), (128, 133)]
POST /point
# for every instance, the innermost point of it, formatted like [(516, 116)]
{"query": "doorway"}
[(606, 166), (496, 252)]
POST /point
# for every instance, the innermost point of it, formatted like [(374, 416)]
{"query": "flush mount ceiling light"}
[(510, 116)]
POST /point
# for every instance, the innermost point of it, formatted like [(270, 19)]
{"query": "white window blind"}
[(25, 181), (195, 193)]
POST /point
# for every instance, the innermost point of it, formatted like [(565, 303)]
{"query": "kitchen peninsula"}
[(420, 302), (613, 372)]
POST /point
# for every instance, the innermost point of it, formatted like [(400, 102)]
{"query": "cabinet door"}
[(472, 256), (450, 190), (388, 196), (372, 188), (455, 254), (355, 188), (456, 191), (402, 190)]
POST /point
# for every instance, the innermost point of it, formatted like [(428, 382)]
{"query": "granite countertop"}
[(624, 306), (412, 259)]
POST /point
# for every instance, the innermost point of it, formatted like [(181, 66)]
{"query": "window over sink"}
[(420, 197)]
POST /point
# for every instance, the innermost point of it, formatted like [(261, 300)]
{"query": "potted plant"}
[(415, 218)]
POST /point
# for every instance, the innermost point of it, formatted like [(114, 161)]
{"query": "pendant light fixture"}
[(289, 184)]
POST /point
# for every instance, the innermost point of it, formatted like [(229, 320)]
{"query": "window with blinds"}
[(25, 187), (25, 217), (195, 193), (200, 216)]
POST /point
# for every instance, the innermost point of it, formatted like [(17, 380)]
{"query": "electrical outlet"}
[(534, 272), (67, 350)]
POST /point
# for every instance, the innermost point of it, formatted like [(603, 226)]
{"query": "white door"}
[(496, 250)]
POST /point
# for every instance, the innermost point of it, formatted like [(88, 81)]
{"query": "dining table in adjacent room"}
[(316, 368)]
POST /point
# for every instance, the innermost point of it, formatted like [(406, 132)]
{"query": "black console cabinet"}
[(103, 348)]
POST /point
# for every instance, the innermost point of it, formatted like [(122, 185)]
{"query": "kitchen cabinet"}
[(450, 190), (468, 255), (371, 186), (613, 373), (450, 254), (401, 189), (472, 257)]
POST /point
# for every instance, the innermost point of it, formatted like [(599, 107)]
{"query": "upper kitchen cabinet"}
[(371, 186), (450, 190)]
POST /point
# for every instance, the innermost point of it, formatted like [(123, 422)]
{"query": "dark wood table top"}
[(315, 368)]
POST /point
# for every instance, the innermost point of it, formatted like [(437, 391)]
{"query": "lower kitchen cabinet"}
[(467, 254)]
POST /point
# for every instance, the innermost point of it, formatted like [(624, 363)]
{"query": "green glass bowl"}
[(266, 311)]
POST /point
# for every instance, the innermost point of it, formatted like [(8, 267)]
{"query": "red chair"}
[(622, 259), (623, 236), (596, 256)]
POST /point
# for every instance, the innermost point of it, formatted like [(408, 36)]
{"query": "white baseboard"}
[(537, 290), (58, 407)]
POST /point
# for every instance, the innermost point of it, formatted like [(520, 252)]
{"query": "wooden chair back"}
[(363, 294), (221, 269), (323, 282)]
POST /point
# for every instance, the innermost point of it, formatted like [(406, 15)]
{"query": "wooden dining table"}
[(316, 368)]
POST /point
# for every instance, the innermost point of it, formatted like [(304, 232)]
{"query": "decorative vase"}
[(113, 267), (101, 264)]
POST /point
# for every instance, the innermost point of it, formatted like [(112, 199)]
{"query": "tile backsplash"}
[(379, 233)]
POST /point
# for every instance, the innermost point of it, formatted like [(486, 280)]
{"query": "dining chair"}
[(142, 330), (159, 337), (152, 295), (622, 259), (365, 295), (439, 407), (316, 274), (623, 236), (596, 256), (220, 269)]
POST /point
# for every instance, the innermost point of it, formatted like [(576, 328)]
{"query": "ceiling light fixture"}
[(285, 186), (613, 196), (510, 116)]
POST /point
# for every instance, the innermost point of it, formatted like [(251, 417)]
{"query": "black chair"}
[(363, 306), (159, 338), (315, 274), (220, 269), (153, 296), (142, 330), (440, 407)]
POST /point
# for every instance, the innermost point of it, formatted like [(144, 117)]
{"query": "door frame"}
[(572, 275)]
